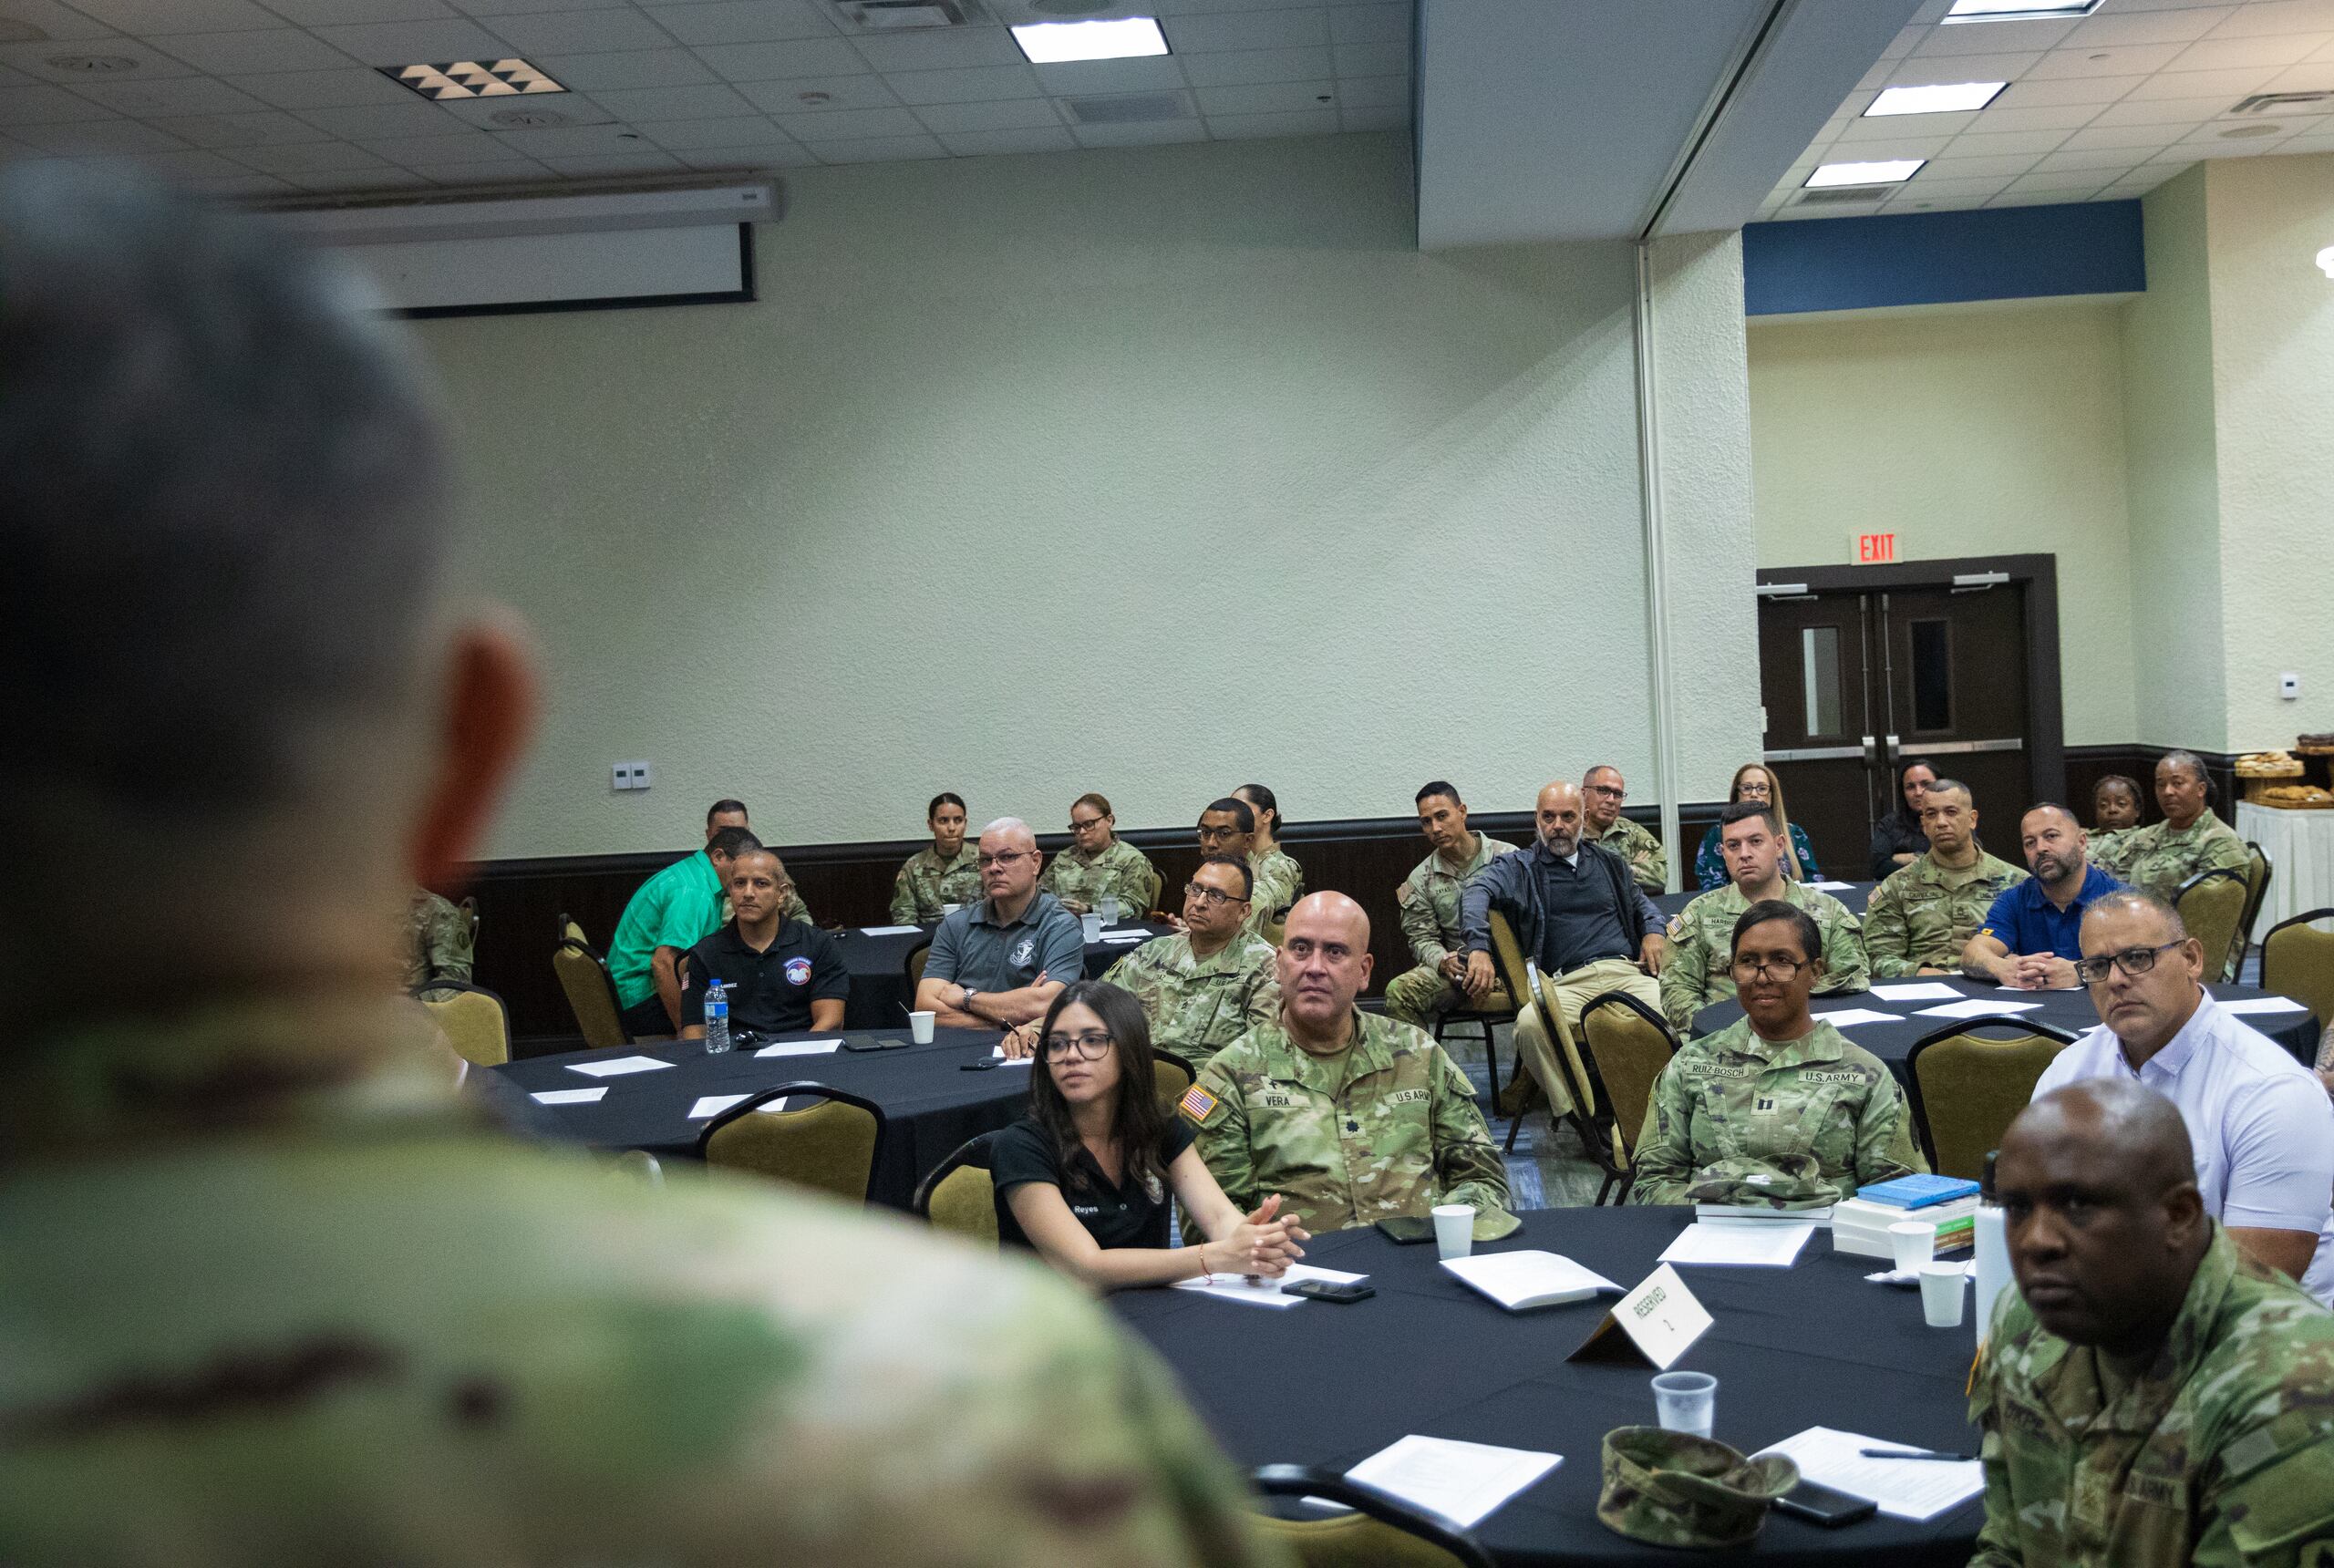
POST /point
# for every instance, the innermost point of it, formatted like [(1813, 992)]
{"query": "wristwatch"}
[(966, 1005)]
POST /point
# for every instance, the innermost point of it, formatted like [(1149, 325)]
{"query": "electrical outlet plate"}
[(629, 776), (2290, 685)]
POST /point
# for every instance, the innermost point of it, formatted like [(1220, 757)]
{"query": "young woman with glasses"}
[(1083, 1178)]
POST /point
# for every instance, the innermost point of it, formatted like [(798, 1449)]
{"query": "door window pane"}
[(1819, 652), (1932, 675)]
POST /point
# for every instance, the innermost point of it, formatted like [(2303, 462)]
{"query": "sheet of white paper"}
[(618, 1065), (1742, 1243), (1978, 1007), (1463, 1482), (800, 1048), (996, 1054), (1263, 1292), (1916, 991), (887, 930), (1849, 1018), (1830, 886), (570, 1096), (713, 1105), (1124, 938), (1918, 1490), (2263, 1005), (1510, 1277)]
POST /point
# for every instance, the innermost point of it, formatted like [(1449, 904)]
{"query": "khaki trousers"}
[(1421, 995), (1569, 994)]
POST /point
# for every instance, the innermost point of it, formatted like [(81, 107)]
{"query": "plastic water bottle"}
[(716, 1019), (1992, 1251)]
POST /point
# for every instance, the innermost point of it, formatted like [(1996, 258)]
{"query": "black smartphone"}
[(979, 1064), (1822, 1505), (871, 1043), (1329, 1289), (1407, 1230)]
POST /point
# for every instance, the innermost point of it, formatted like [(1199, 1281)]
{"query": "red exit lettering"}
[(1875, 549)]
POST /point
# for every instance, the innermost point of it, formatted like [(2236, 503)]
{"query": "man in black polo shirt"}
[(784, 977)]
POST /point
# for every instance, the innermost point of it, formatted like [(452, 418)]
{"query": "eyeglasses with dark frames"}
[(1089, 1045), (2132, 961)]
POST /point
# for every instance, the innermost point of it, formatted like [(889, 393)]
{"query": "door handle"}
[(1871, 751), (1895, 749)]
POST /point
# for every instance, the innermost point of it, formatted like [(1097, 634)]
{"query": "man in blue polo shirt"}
[(1001, 961), (2032, 936)]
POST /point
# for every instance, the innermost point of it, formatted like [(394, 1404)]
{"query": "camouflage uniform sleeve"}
[(450, 943), (1131, 883), (2271, 1503), (2228, 853), (1651, 862), (1885, 1147), (1467, 1164), (796, 910), (1263, 1004), (1997, 1538), (1685, 977), (1419, 924), (903, 897), (1664, 1155), (1844, 966), (1221, 1136), (1887, 943)]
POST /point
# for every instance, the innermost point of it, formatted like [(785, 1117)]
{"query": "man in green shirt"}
[(1429, 900), (674, 911), (1924, 915)]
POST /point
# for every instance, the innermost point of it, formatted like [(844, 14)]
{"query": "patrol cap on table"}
[(1785, 1182), (1673, 1489)]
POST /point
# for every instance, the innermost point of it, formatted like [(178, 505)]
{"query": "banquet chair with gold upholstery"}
[(957, 1196), (2212, 906), (1630, 1044), (1964, 1089), (1381, 1531), (2298, 961), (829, 1145), (472, 1017)]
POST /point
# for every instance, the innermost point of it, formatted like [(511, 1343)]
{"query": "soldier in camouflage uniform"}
[(1228, 826), (1428, 900), (1205, 986), (1352, 1118), (2151, 1397), (1099, 864), (2160, 856), (1700, 937), (1923, 914), (1777, 1082), (439, 938), (1602, 790), (946, 872), (274, 1295), (2114, 818), (1280, 880)]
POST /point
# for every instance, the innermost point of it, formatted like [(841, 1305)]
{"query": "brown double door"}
[(1852, 681)]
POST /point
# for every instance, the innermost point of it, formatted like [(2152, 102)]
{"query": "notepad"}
[(1849, 1018), (1263, 1292), (1918, 1490), (1463, 1482), (1522, 1280), (2263, 1005), (570, 1096), (1124, 938), (618, 1065), (996, 1054), (1978, 1007), (889, 930), (1917, 991), (1830, 886), (800, 1048), (712, 1105), (1739, 1243)]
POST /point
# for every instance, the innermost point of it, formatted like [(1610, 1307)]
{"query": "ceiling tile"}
[(1267, 97), (490, 8), (309, 157), (1375, 92), (984, 143), (194, 165), (55, 21), (788, 57), (2117, 159), (240, 186), (1112, 76), (2071, 184), (2008, 144), (2227, 85), (610, 166), (45, 105), (2160, 111), (709, 102), (1374, 116), (149, 17), (580, 32), (1152, 133), (2234, 54), (1918, 71), (777, 152), (1952, 186), (2272, 16), (362, 122), (940, 51), (2111, 27), (324, 89), (1013, 114), (1206, 7), (1993, 38), (1237, 68), (1370, 25), (352, 179), (270, 49), (262, 128), (2045, 94), (1905, 143), (879, 150), (183, 95), (1244, 126), (743, 21), (625, 68), (506, 171), (95, 138), (412, 43), (977, 83), (2133, 60), (851, 124), (331, 13), (33, 60), (2049, 117), (828, 93), (1979, 168), (2128, 135), (10, 78), (1287, 29), (453, 147), (494, 114), (1895, 127), (569, 141), (1371, 59), (2313, 77), (731, 130)]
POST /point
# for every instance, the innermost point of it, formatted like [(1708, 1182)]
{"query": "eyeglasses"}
[(1614, 790), (1006, 859), (1077, 827), (1089, 1045), (1212, 898), (2131, 960), (1783, 969)]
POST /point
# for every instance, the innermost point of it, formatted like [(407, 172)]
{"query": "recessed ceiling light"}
[(452, 79), (1053, 43), (1891, 171), (1939, 99), (2018, 10)]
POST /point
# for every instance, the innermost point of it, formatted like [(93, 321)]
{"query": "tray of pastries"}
[(2269, 764), (2321, 745), (2295, 798)]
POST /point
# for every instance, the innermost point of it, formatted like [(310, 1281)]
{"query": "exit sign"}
[(1872, 549)]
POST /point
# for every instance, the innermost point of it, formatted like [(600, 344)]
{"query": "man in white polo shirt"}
[(2262, 1127)]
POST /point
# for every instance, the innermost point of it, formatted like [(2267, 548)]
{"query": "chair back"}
[(1966, 1090), (829, 1146), (1523, 982), (2256, 892), (1158, 885), (1170, 1077), (1273, 931), (590, 994), (916, 961), (2298, 961), (2212, 906), (1382, 1531), (1630, 1044), (957, 1196), (571, 932), (472, 1017)]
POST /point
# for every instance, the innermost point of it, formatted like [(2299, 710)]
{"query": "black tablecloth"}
[(2067, 1010), (879, 968), (1855, 896), (1792, 1348), (930, 1104)]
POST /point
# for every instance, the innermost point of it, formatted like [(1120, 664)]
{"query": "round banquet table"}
[(930, 1104), (1855, 896), (878, 963), (1814, 1345), (2295, 1029)]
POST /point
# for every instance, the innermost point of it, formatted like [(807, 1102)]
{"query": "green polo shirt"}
[(680, 907)]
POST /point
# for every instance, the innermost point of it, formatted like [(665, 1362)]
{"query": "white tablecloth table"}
[(2300, 847)]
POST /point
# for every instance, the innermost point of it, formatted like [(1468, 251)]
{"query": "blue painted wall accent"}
[(1938, 258)]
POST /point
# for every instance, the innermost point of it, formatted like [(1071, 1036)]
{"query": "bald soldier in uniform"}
[(273, 1294), (2151, 1397), (1352, 1118)]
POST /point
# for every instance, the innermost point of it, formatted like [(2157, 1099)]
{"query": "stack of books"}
[(1860, 1224)]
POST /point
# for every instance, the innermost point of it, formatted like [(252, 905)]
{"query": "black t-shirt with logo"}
[(1114, 1216), (770, 992)]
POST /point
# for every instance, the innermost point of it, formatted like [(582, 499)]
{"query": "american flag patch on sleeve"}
[(1196, 1103)]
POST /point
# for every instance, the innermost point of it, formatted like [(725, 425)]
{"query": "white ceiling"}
[(2098, 109), (272, 98)]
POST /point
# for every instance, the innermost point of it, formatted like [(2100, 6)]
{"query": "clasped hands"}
[(1263, 1247)]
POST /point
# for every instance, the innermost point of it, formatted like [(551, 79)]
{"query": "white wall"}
[(1147, 472)]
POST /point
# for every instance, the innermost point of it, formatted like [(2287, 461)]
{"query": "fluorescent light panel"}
[(1055, 43), (452, 79), (1943, 99), (1894, 171), (2018, 10)]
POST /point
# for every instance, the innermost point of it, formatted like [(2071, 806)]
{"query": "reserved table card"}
[(1655, 1323)]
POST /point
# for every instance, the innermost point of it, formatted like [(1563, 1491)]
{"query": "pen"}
[(1911, 1454)]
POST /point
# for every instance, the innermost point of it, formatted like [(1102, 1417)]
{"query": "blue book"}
[(1919, 1191)]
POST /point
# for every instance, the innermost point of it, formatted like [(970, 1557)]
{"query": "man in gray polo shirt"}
[(1002, 961)]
